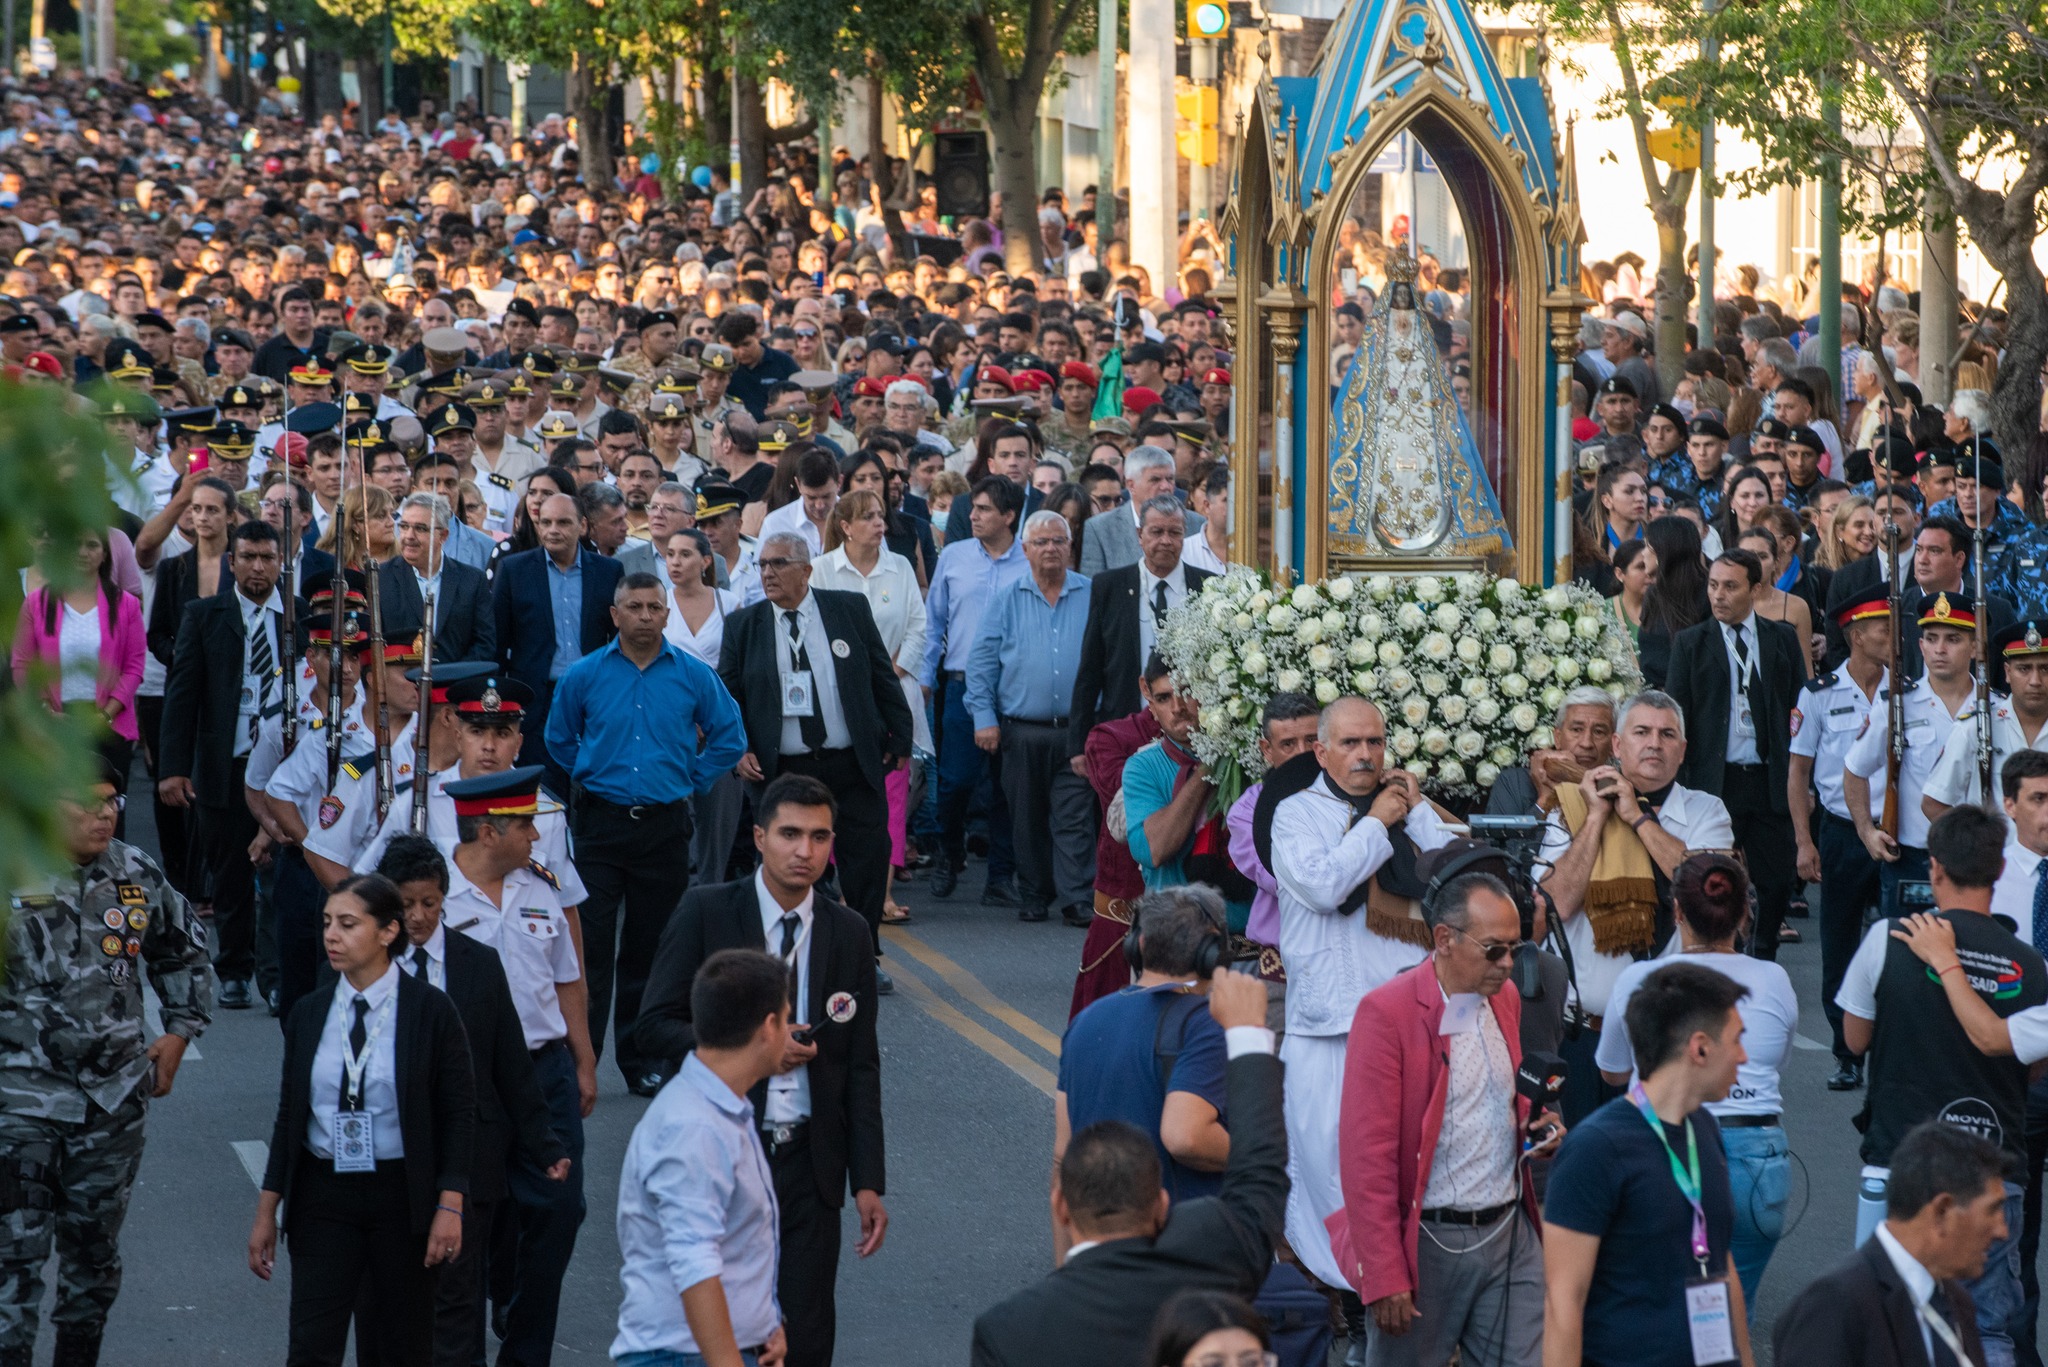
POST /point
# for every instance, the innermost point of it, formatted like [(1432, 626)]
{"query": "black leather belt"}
[(1445, 1215), (1747, 768), (1747, 1122), (776, 1138), (953, 675), (632, 811), (1059, 722)]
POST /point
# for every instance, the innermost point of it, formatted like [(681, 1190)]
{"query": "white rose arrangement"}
[(1466, 667)]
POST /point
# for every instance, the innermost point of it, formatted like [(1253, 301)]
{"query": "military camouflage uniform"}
[(707, 423), (75, 1078), (635, 363)]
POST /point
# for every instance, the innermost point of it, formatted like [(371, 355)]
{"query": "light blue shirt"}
[(1027, 652), (964, 582), (1149, 778), (565, 592), (630, 735), (696, 1201), (468, 546)]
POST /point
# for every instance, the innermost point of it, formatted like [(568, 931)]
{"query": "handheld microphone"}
[(1541, 1078)]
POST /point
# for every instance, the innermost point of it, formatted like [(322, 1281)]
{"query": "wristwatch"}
[(1647, 815)]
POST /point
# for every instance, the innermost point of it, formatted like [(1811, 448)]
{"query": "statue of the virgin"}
[(1405, 475)]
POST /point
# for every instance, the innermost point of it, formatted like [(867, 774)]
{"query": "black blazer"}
[(525, 615), (177, 583), (1106, 684), (1859, 1314), (203, 693), (877, 718), (845, 1077), (436, 1096), (1700, 680), (1097, 1309), (465, 628), (1862, 575)]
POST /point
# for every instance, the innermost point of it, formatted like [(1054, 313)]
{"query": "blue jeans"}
[(1996, 1291), (1760, 1180), (663, 1357), (963, 766)]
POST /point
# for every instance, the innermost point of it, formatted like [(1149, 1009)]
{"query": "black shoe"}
[(945, 878), (884, 984), (977, 845), (1031, 913), (998, 895), (1788, 935), (646, 1084), (234, 994), (1077, 916), (75, 1349), (1846, 1078), (271, 1000)]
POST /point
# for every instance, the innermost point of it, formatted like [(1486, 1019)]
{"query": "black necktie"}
[(791, 924), (811, 728), (1159, 604), (1938, 1302), (1741, 661), (350, 1100), (261, 663), (419, 962)]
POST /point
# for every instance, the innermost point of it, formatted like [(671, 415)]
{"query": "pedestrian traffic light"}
[(1195, 135), (1207, 18)]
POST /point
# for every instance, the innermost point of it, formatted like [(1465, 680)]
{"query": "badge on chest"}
[(538, 923)]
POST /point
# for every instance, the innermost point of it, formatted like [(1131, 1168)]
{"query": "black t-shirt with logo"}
[(1922, 1064)]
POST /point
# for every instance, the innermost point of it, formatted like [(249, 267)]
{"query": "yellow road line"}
[(1005, 1053), (970, 987)]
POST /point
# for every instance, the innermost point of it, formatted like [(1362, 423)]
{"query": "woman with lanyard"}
[(857, 561), (370, 1154), (696, 626), (1711, 897)]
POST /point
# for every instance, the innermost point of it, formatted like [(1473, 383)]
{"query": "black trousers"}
[(1763, 832), (1052, 815), (860, 845), (2028, 1317), (344, 1228), (458, 1299), (635, 863), (225, 834), (174, 825), (807, 1278), (298, 897), (1848, 890)]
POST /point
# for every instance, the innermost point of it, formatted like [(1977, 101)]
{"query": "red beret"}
[(868, 387), (1079, 370), (1138, 398), (1217, 375), (997, 374), (1038, 379)]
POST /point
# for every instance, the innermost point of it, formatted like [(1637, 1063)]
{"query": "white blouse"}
[(892, 595), (705, 642), (78, 654)]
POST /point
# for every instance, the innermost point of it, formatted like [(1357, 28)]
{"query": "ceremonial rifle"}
[(289, 699), (422, 761), (1987, 795), (373, 676), (1895, 702)]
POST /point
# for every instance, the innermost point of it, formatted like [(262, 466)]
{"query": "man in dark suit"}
[(227, 675), (1900, 1300), (1126, 608), (553, 606), (819, 696), (821, 1121), (465, 629), (509, 1107), (1737, 676), (1937, 556), (1132, 1252)]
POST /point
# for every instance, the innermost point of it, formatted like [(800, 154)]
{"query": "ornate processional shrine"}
[(1403, 444)]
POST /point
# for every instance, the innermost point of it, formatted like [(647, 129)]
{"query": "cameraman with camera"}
[(1438, 1233)]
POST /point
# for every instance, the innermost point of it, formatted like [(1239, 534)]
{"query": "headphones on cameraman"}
[(1209, 954), (1463, 856)]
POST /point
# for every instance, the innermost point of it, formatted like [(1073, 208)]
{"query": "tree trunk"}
[(1012, 120), (588, 101), (2016, 399), (1671, 281), (370, 81), (753, 112), (323, 91), (878, 151)]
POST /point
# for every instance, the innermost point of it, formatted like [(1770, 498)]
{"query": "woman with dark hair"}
[(541, 485), (1070, 501), (1678, 598), (1209, 1329), (1711, 899), (1635, 569), (1778, 604), (370, 1153), (866, 472), (1748, 495), (782, 486)]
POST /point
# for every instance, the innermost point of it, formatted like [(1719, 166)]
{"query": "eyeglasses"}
[(778, 563), (1104, 502), (1253, 1358), (1494, 951), (587, 467), (106, 806)]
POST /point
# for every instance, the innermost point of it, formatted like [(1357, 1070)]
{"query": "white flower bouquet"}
[(1467, 668)]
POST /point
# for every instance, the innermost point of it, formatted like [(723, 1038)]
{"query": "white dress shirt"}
[(789, 1094), (790, 518), (436, 952), (1176, 581), (550, 847), (1919, 1281), (257, 691), (1741, 724), (2013, 894), (898, 605), (824, 678), (380, 1071)]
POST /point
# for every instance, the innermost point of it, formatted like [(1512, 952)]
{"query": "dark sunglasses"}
[(1493, 951)]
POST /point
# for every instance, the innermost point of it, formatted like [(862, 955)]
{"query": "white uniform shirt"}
[(1320, 854), (1928, 725), (1699, 819), (269, 751), (1833, 713), (348, 817), (789, 1094), (302, 778), (530, 934), (551, 849), (1955, 777), (380, 1071)]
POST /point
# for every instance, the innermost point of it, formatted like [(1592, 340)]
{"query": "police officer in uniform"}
[(348, 815), (499, 896), (77, 1070), (2019, 720), (1833, 711), (716, 362)]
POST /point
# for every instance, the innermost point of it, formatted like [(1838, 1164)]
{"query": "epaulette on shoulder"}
[(1820, 683), (545, 874)]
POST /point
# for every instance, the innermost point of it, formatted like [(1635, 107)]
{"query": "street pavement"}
[(969, 1063)]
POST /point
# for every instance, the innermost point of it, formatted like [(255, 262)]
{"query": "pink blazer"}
[(121, 651), (1396, 1080)]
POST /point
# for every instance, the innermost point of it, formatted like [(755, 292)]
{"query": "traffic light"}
[(1207, 18), (1195, 132)]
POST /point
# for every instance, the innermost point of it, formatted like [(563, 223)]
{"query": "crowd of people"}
[(552, 614)]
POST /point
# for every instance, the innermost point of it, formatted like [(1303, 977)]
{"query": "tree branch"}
[(1632, 97)]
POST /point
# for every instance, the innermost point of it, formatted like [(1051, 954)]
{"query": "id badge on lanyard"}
[(1708, 1315), (354, 1139)]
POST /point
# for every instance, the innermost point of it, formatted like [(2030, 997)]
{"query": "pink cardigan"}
[(121, 651), (1396, 1081)]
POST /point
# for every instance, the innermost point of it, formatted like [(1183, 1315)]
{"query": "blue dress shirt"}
[(1026, 653), (565, 592), (965, 582), (468, 546), (630, 735)]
